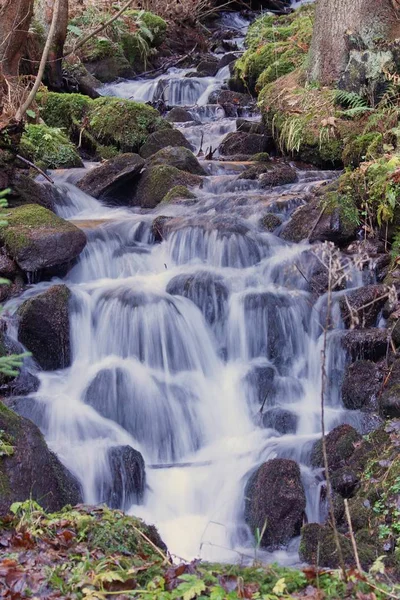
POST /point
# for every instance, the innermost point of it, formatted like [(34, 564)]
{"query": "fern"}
[(356, 111), (350, 100), (396, 246)]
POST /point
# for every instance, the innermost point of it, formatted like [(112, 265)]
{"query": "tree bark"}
[(334, 20), (15, 19), (54, 67)]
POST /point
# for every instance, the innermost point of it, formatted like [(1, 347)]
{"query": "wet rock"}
[(270, 222), (317, 546), (368, 344), (361, 307), (161, 139), (179, 115), (8, 267), (126, 482), (344, 481), (307, 223), (208, 66), (281, 420), (38, 239), (361, 385), (242, 143), (250, 126), (44, 328), (339, 447), (178, 157), (32, 470), (206, 290), (178, 193), (157, 181), (389, 402), (261, 378), (232, 102), (278, 174), (228, 59), (111, 177), (26, 190), (255, 171), (158, 226), (275, 498)]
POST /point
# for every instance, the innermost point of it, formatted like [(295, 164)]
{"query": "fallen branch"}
[(31, 164), (168, 65)]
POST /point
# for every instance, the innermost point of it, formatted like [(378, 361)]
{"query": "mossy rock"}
[(339, 446), (63, 110), (49, 147), (157, 181), (389, 402), (270, 222), (38, 239), (179, 192), (163, 138), (105, 59), (317, 547), (363, 147), (178, 157), (260, 157), (154, 23)]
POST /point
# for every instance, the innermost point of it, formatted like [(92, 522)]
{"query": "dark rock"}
[(26, 190), (361, 385), (261, 378), (231, 102), (339, 447), (307, 223), (360, 308), (280, 419), (8, 267), (32, 470), (38, 239), (275, 499), (344, 481), (317, 547), (44, 328), (109, 179), (209, 66), (127, 479), (270, 222), (161, 139), (246, 144), (227, 59), (278, 174), (156, 182), (389, 402), (109, 68), (205, 290), (157, 227), (179, 115), (250, 126), (368, 344), (255, 171), (178, 157)]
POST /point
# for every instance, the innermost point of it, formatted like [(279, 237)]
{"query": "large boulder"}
[(389, 402), (250, 126), (161, 139), (243, 143), (26, 190), (38, 239), (340, 445), (179, 115), (317, 547), (157, 181), (232, 102), (44, 328), (361, 307), (110, 178), (28, 469), (361, 385), (276, 502), (278, 174), (126, 479), (178, 157), (368, 344), (282, 420)]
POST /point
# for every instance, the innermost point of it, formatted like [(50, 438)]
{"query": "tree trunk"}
[(15, 19), (54, 67), (334, 20)]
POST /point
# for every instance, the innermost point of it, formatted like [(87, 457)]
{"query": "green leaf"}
[(31, 113), (15, 507), (191, 587), (74, 29)]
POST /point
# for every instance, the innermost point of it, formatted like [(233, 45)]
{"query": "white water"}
[(175, 348)]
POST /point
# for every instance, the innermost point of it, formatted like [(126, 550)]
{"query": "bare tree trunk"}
[(335, 19), (15, 19), (45, 10)]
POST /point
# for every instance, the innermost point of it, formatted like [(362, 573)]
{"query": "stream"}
[(177, 345)]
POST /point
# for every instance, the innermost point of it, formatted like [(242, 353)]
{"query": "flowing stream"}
[(177, 345)]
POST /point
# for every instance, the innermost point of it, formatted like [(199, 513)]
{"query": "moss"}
[(318, 547), (157, 181), (363, 147), (155, 24), (63, 110), (123, 123), (179, 192), (49, 147), (270, 222), (260, 157)]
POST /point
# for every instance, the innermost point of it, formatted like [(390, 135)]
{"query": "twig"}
[(153, 545), (353, 539), (31, 164), (317, 221), (169, 65)]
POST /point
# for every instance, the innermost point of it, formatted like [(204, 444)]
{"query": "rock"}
[(232, 102), (261, 379), (38, 239), (339, 447), (368, 344), (157, 181), (283, 421), (78, 79), (344, 481), (44, 328), (389, 402), (255, 171), (361, 385), (317, 547), (243, 143), (178, 193), (111, 177), (158, 226), (227, 59), (270, 222), (275, 499), (26, 190), (49, 148), (360, 308), (306, 223), (31, 470), (278, 174), (179, 115), (178, 157), (250, 126), (261, 157), (8, 267), (161, 139), (208, 66), (126, 480), (206, 290)]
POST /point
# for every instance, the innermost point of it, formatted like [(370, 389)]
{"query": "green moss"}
[(178, 192), (155, 24), (63, 110), (260, 157), (367, 146), (49, 147)]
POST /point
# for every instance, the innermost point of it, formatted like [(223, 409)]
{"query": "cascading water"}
[(175, 347)]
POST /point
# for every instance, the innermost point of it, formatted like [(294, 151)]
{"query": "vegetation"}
[(49, 148)]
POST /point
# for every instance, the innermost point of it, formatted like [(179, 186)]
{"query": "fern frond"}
[(350, 99)]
